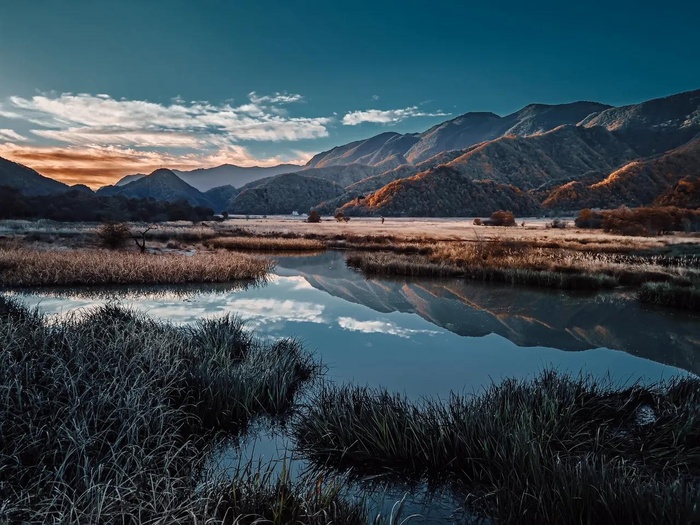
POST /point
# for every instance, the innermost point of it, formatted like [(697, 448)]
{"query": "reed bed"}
[(265, 244), (519, 263), (557, 449), (109, 417), (20, 267), (417, 266), (668, 294)]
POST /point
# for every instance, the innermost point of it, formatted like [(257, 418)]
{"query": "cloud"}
[(277, 98), (263, 311), (389, 116), (375, 97), (96, 139), (8, 134), (100, 165), (79, 118), (380, 327)]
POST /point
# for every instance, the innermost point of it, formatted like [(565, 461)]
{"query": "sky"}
[(91, 90)]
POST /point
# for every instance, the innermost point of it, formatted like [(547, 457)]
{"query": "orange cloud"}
[(98, 166)]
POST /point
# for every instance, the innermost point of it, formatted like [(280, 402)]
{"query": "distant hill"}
[(162, 185), (205, 179), (455, 134), (637, 183), (221, 196), (283, 195), (654, 126), (28, 181), (443, 192)]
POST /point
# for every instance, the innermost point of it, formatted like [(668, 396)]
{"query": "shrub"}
[(113, 235), (500, 218), (589, 219), (314, 216)]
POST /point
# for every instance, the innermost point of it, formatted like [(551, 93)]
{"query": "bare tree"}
[(141, 242)]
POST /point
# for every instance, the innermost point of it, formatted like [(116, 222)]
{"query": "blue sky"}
[(92, 90)]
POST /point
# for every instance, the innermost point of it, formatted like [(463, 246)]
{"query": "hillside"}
[(653, 126), (637, 183), (220, 197), (284, 194), (28, 181), (205, 179), (443, 192), (161, 185)]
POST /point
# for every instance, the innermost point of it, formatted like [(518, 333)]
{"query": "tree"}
[(113, 235), (314, 216)]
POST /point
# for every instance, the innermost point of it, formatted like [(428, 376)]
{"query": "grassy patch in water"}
[(265, 244), (553, 450), (110, 416), (668, 294), (416, 266)]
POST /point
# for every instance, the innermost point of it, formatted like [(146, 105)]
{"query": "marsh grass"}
[(261, 492), (669, 294), (416, 266), (109, 416), (522, 263), (265, 244), (553, 450), (23, 267)]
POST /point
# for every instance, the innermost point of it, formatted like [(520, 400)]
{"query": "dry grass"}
[(520, 263), (30, 267), (265, 244)]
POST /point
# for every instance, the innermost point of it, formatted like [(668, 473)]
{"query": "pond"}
[(422, 337)]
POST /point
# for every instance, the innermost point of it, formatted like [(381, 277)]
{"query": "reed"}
[(669, 294), (109, 416), (22, 267), (265, 244), (557, 449)]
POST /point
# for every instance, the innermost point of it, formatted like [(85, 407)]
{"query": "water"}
[(422, 337)]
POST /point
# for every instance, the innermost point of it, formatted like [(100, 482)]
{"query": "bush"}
[(113, 235), (314, 216), (500, 218), (589, 219)]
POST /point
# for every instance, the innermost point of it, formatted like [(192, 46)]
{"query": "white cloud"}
[(13, 136), (388, 116), (277, 98), (81, 118), (375, 97), (379, 327), (262, 311)]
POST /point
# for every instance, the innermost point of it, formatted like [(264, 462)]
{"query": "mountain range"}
[(543, 157)]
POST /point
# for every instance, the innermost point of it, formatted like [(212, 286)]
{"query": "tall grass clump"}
[(109, 416), (266, 244), (20, 267), (669, 294), (557, 449)]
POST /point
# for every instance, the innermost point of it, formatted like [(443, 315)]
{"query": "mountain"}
[(284, 194), (455, 134), (684, 194), (374, 150), (443, 192), (654, 126), (162, 185), (228, 174), (28, 181), (129, 178), (637, 183), (221, 196), (205, 179)]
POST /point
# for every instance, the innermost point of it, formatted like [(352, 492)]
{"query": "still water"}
[(422, 337)]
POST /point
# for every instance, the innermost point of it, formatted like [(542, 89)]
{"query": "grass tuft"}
[(553, 450)]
